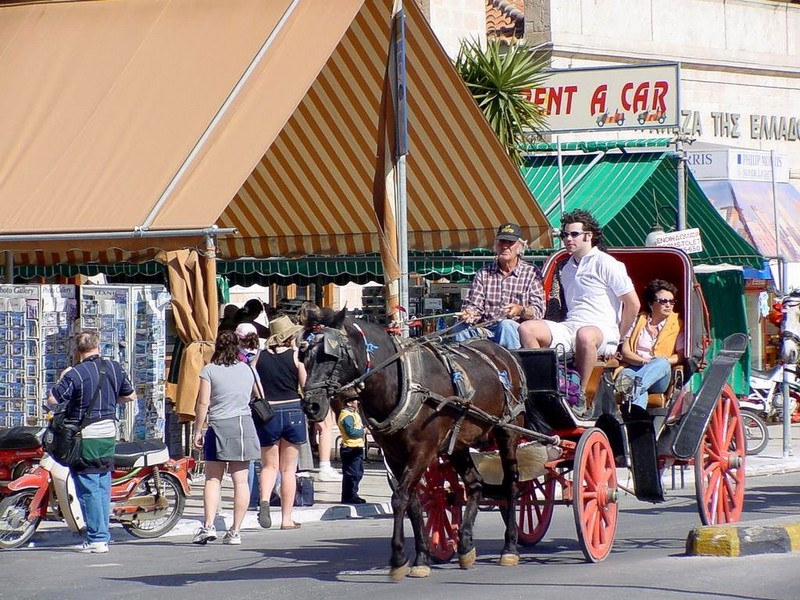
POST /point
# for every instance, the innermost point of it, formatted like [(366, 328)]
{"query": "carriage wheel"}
[(536, 502), (594, 504), (441, 495), (719, 465)]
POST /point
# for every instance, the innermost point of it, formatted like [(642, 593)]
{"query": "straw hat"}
[(282, 328)]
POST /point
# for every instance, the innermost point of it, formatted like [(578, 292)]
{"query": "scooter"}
[(766, 393), (20, 451), (148, 494)]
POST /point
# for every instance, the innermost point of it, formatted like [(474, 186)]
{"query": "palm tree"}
[(500, 77)]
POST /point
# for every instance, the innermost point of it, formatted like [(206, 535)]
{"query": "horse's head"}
[(330, 363), (790, 329)]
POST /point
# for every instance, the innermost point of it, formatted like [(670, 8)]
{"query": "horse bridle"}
[(338, 346)]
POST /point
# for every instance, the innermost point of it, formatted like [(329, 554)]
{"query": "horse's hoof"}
[(398, 573), (420, 571), (465, 561), (509, 560)]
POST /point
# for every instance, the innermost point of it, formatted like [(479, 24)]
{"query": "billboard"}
[(603, 98)]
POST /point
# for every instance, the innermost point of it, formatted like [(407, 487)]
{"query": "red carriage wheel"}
[(441, 495), (719, 465), (594, 502), (536, 501)]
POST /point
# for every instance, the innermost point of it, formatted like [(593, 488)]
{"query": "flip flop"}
[(292, 526)]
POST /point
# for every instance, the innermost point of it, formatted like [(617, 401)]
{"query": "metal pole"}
[(8, 275), (401, 217), (787, 419), (561, 201), (681, 173)]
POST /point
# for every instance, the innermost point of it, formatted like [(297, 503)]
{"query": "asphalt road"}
[(347, 559)]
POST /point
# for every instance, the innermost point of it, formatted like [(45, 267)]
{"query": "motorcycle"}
[(20, 451), (764, 404), (148, 494)]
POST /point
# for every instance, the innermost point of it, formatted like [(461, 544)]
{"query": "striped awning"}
[(141, 115), (627, 193)]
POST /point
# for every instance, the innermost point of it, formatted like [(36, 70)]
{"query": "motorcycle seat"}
[(20, 438), (140, 454), (764, 374)]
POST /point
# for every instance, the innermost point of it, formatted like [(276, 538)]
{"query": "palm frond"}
[(499, 77)]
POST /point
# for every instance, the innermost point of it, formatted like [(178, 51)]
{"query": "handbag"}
[(63, 437), (259, 406)]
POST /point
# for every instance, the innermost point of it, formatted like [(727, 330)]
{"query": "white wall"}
[(454, 20), (740, 58)]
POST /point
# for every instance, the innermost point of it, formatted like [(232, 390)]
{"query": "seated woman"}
[(654, 344)]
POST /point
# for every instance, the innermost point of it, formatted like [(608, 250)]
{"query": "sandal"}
[(292, 526)]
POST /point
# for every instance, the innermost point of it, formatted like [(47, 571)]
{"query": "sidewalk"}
[(376, 491)]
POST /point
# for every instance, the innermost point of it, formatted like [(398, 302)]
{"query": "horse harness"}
[(413, 395)]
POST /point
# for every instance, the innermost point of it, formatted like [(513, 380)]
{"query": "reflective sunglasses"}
[(571, 234), (665, 300)]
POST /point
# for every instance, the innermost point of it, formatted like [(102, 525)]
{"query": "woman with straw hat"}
[(282, 376)]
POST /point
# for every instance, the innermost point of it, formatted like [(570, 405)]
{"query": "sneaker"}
[(92, 548), (204, 535), (232, 537), (329, 474), (580, 409), (264, 517)]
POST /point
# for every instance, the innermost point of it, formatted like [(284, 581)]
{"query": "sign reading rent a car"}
[(610, 98)]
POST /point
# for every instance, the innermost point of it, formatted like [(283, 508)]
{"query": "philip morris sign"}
[(610, 98)]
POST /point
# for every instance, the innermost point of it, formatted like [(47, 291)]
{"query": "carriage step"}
[(694, 423)]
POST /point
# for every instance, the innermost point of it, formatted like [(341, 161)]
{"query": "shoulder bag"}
[(63, 437), (259, 406)]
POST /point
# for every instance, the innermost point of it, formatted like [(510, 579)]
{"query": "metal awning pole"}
[(102, 235), (8, 275), (787, 420), (401, 217), (681, 176)]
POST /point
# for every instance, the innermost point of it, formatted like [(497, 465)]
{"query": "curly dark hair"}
[(249, 342), (226, 349), (585, 218), (652, 289)]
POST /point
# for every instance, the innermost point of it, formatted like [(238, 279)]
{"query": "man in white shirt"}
[(600, 299)]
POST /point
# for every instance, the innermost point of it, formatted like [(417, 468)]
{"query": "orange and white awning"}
[(158, 115)]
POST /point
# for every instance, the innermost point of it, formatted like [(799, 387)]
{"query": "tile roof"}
[(505, 19)]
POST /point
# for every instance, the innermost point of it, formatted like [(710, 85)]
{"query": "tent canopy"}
[(150, 115), (627, 193)]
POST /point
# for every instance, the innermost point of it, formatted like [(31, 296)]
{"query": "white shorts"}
[(564, 333)]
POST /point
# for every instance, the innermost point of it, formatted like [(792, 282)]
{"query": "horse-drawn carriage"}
[(432, 405)]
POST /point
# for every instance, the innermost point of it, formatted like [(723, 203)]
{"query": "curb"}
[(768, 537)]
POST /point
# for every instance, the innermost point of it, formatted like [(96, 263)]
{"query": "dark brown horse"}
[(408, 398)]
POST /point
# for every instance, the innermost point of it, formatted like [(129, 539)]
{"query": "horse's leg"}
[(404, 502), (421, 566), (507, 445), (473, 485)]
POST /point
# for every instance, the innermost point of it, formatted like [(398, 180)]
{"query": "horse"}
[(790, 328), (408, 397)]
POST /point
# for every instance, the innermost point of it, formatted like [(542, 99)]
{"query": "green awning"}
[(624, 190), (599, 145)]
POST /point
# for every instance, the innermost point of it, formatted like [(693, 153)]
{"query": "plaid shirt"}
[(492, 289)]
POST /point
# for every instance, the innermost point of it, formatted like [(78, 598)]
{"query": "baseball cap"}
[(509, 231), (245, 329)]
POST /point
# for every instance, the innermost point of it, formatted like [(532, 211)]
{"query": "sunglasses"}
[(665, 300), (571, 234)]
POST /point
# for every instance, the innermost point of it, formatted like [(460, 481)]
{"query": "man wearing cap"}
[(509, 290)]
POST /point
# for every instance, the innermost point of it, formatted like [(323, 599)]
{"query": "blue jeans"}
[(505, 333), (655, 378), (352, 472), (94, 496)]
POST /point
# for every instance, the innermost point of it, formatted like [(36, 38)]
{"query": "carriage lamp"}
[(655, 232)]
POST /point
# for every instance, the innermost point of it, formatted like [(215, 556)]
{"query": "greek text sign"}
[(638, 97), (687, 240)]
